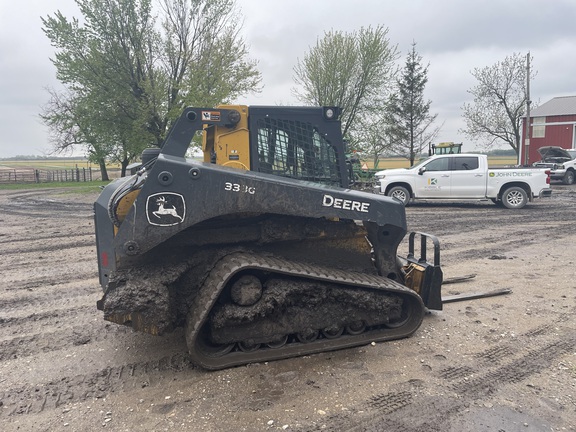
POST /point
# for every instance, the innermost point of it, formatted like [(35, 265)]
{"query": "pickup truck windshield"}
[(423, 161)]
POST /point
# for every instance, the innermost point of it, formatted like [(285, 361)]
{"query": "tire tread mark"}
[(456, 372), (50, 247), (406, 418), (47, 298), (35, 398), (532, 362), (24, 239), (390, 402), (26, 323), (496, 354)]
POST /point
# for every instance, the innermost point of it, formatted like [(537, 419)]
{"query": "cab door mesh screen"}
[(295, 149)]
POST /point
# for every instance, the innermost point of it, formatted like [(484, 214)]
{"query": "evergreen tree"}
[(410, 125)]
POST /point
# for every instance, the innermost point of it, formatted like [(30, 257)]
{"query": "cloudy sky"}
[(453, 36)]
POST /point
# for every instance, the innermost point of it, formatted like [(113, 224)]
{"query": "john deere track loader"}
[(259, 251)]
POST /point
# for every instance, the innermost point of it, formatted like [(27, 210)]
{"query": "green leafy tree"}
[(371, 139), (137, 76), (410, 124), (71, 123), (499, 103), (353, 71), (203, 60), (105, 65)]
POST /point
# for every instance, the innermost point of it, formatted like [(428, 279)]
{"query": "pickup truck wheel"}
[(400, 193), (569, 177), (514, 197)]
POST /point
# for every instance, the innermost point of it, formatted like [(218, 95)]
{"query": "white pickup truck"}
[(560, 161), (464, 177)]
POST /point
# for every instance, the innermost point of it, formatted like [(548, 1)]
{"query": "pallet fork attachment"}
[(423, 277)]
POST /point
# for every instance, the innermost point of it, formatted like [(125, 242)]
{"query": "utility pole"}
[(528, 102)]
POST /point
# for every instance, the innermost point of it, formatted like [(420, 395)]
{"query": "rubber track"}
[(225, 269)]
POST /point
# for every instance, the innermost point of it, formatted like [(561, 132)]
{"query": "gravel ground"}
[(503, 363)]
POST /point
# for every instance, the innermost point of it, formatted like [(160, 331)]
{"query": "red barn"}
[(551, 124)]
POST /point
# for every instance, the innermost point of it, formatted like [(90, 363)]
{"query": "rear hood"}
[(553, 152)]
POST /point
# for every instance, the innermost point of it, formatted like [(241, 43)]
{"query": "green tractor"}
[(444, 148)]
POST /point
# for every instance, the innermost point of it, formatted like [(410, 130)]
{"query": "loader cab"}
[(303, 143)]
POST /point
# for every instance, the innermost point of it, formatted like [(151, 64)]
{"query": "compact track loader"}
[(260, 251)]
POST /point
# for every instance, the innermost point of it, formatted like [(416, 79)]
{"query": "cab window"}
[(442, 164), (465, 163), (296, 149)]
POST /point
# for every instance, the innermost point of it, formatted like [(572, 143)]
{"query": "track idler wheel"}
[(356, 328), (278, 343), (247, 347), (214, 350), (405, 316), (246, 291), (308, 336), (333, 332)]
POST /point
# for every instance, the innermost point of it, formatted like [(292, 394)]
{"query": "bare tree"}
[(499, 103)]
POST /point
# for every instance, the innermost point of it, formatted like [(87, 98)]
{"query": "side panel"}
[(533, 179), (180, 193)]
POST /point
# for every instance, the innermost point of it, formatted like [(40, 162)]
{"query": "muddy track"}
[(49, 203), (500, 363)]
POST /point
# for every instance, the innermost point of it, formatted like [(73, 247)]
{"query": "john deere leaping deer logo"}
[(165, 209)]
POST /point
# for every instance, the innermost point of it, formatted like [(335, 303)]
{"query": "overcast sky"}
[(453, 36)]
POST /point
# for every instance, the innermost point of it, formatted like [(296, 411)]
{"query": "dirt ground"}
[(504, 363)]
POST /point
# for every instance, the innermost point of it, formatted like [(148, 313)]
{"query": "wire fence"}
[(32, 175)]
